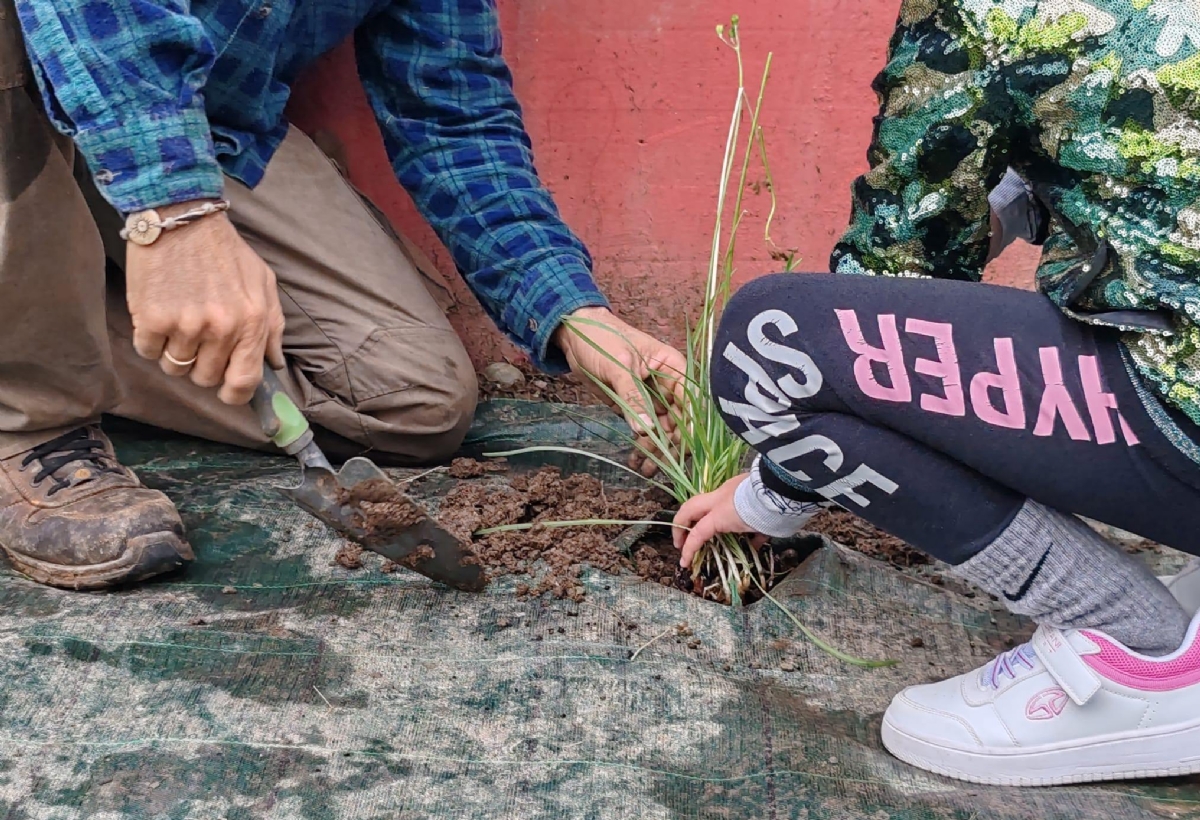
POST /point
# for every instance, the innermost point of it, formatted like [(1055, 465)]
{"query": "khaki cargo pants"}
[(372, 358)]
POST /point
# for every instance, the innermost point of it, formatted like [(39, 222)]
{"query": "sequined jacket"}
[(1095, 104)]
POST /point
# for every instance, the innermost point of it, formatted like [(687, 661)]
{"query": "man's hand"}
[(601, 347), (200, 292), (705, 517)]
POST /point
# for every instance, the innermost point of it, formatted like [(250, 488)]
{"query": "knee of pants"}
[(411, 395), (763, 359)]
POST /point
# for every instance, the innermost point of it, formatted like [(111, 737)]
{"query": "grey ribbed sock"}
[(1060, 572)]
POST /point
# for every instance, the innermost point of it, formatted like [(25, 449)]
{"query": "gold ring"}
[(176, 362)]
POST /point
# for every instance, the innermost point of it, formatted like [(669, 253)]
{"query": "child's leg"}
[(962, 418)]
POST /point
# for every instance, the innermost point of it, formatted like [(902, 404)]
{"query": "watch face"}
[(142, 227)]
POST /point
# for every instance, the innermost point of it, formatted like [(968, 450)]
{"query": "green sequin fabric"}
[(1095, 104)]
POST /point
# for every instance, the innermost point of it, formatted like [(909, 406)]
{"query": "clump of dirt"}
[(857, 534), (349, 556), (470, 468), (385, 511), (554, 556), (417, 557), (371, 491)]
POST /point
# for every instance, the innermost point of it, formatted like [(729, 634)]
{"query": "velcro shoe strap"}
[(1065, 665)]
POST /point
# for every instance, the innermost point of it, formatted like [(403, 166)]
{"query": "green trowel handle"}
[(279, 416)]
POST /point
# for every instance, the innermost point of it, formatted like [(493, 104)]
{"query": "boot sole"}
[(145, 556), (1172, 751)]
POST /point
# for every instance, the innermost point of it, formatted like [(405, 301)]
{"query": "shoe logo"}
[(1029, 581), (1046, 705)]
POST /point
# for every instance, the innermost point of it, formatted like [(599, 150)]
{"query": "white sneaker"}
[(1186, 586), (1069, 707)]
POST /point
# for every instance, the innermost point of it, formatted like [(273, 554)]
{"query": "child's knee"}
[(762, 357)]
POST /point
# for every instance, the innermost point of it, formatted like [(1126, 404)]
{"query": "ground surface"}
[(272, 682)]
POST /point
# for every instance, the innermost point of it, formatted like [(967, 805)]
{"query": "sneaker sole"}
[(145, 556), (1168, 752)]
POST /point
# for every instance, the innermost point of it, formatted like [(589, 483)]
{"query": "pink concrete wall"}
[(628, 104)]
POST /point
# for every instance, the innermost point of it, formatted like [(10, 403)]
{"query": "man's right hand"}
[(201, 292)]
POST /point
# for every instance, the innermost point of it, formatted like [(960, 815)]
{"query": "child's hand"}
[(708, 516)]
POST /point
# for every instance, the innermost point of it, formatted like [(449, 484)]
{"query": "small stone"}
[(541, 385), (917, 643), (787, 665), (229, 590), (504, 375)]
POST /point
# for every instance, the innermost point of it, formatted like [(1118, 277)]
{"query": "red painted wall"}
[(628, 105)]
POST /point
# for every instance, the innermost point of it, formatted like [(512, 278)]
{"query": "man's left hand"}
[(600, 347)]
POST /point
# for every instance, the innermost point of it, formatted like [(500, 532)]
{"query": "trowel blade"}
[(406, 535)]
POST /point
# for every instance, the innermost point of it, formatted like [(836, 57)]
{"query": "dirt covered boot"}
[(72, 516)]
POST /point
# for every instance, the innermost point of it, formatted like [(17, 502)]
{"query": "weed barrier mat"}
[(268, 682)]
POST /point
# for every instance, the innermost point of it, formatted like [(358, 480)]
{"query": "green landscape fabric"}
[(267, 682)]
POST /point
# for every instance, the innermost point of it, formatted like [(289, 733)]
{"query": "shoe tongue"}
[(1013, 665)]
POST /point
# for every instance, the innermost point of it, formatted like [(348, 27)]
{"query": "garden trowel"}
[(361, 502)]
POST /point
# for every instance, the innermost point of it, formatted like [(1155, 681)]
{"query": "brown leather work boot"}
[(72, 516)]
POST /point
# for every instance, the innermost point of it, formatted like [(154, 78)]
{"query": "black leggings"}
[(934, 409)]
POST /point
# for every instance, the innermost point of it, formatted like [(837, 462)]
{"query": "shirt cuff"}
[(1015, 210), (765, 511), (153, 161), (563, 285)]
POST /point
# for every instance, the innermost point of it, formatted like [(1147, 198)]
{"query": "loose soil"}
[(857, 534), (540, 387), (386, 512), (554, 558)]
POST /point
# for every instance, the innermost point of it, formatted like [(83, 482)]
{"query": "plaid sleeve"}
[(940, 146), (124, 79), (444, 99)]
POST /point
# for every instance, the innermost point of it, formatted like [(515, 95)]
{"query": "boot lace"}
[(76, 447)]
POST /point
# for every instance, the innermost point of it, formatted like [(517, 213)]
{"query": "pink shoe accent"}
[(1046, 705), (1120, 666)]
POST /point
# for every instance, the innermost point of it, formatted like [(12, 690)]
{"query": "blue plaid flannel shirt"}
[(163, 97)]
